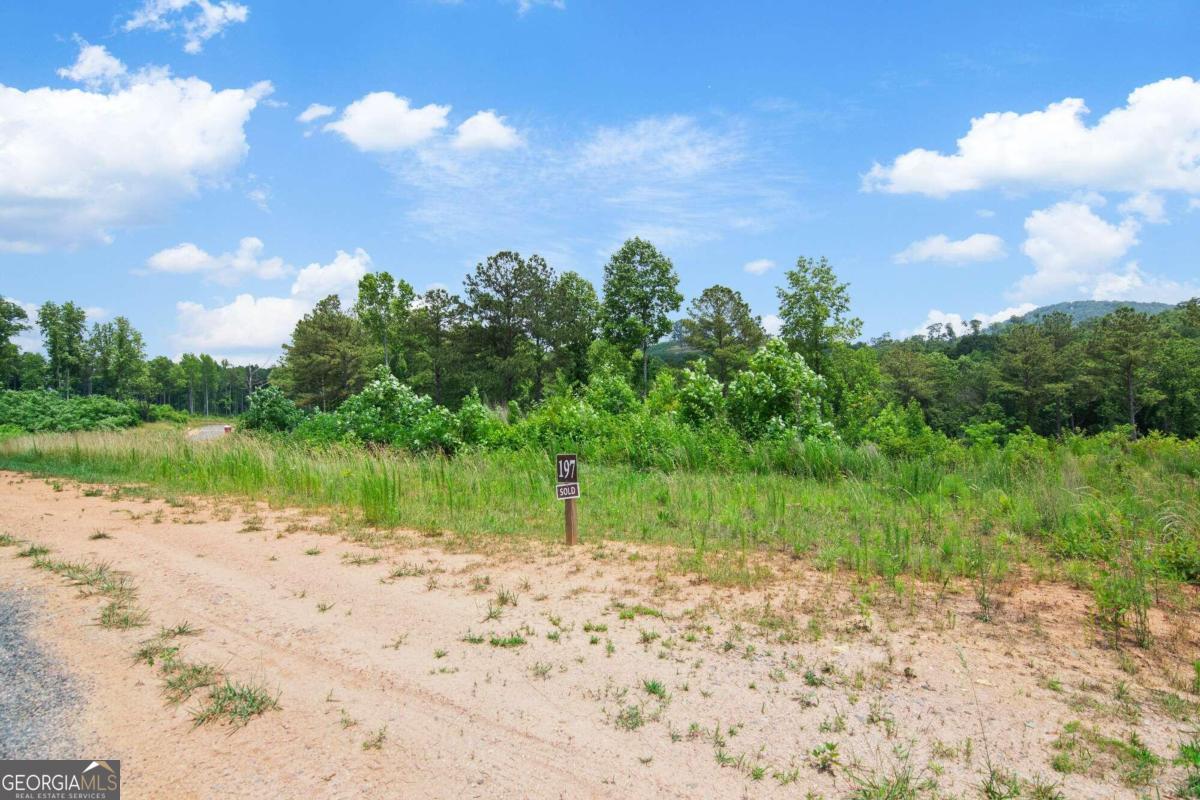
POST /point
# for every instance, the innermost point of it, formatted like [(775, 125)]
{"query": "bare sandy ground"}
[(754, 679)]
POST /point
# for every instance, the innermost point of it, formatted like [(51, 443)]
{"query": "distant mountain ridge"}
[(1084, 310)]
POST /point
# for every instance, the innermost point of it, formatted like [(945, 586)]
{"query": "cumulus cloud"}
[(1132, 283), (1070, 247), (1149, 144), (77, 164), (486, 131), (94, 67), (257, 327), (772, 324), (962, 324), (976, 247), (314, 112), (197, 20), (226, 268), (340, 275), (1147, 205), (758, 266), (383, 122), (248, 323)]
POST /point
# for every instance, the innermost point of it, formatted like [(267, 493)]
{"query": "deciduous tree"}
[(641, 290), (815, 310)]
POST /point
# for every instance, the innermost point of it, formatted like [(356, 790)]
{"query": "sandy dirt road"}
[(633, 681)]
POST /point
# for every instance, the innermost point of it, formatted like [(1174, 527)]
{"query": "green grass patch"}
[(1085, 750), (1098, 510), (512, 640), (235, 703)]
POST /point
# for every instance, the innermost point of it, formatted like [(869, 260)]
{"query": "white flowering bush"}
[(777, 392), (700, 398)]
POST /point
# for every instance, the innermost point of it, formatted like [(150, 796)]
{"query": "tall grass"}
[(1040, 503)]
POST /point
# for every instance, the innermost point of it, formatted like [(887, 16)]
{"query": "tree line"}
[(521, 330), (109, 359)]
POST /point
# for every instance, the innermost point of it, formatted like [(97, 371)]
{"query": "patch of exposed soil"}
[(633, 680)]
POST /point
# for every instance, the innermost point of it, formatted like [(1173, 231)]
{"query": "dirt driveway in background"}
[(633, 681)]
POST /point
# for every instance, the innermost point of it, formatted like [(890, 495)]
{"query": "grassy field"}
[(1120, 516), (941, 553)]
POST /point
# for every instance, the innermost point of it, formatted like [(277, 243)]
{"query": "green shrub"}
[(38, 411), (388, 412), (701, 401), (271, 411), (663, 397), (161, 412), (476, 424), (777, 390), (901, 432), (319, 428), (609, 392)]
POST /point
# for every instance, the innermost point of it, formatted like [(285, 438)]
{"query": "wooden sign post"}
[(567, 490)]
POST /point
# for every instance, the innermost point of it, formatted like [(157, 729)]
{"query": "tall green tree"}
[(498, 297), (815, 310), (720, 325), (62, 328), (32, 371), (13, 320), (1123, 348), (1028, 369), (538, 280), (437, 326), (165, 378), (210, 378), (189, 365), (574, 316), (641, 290), (383, 306), (327, 359), (121, 359)]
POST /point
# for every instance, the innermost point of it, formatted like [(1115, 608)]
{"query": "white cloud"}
[(758, 266), (314, 112), (976, 247), (382, 122), (985, 213), (1193, 204), (1070, 247), (227, 268), (961, 324), (76, 164), (1147, 205), (675, 146), (198, 20), (262, 323), (678, 180), (255, 328), (772, 324), (1150, 144), (1134, 284), (486, 131), (525, 6), (340, 275), (94, 67), (260, 196)]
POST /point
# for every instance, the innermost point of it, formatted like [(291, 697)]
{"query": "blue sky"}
[(951, 161)]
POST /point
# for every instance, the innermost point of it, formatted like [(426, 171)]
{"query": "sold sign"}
[(567, 488)]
